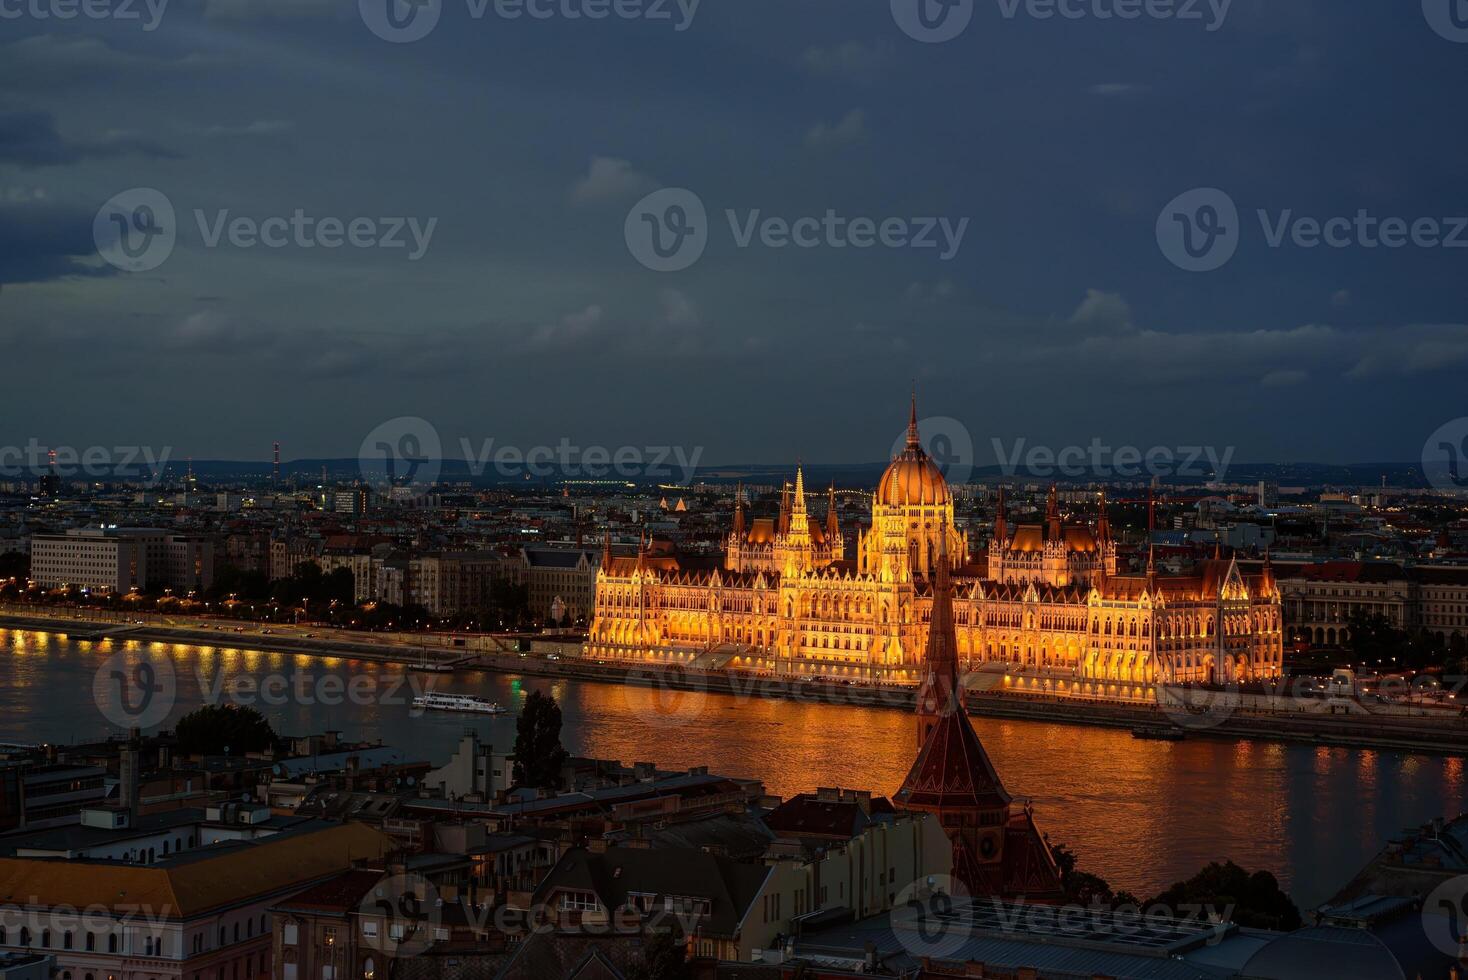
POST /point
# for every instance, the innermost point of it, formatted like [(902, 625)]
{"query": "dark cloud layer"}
[(528, 141)]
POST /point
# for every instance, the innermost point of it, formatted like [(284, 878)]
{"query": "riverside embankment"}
[(1192, 713)]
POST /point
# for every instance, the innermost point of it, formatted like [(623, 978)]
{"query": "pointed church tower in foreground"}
[(997, 851)]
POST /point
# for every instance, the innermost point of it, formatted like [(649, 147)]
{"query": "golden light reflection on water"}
[(1140, 813)]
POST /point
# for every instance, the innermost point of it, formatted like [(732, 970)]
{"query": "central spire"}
[(914, 441)]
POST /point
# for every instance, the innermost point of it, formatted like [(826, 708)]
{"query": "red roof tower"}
[(996, 848)]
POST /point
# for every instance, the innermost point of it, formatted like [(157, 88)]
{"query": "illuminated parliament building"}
[(1044, 605)]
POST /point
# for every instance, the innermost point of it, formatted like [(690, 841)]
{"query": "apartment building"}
[(201, 913), (121, 559)]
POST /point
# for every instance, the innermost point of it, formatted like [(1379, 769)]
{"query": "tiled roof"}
[(194, 882)]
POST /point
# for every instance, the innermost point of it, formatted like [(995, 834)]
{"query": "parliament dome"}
[(913, 479)]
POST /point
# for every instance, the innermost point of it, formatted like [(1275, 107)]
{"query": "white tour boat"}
[(457, 702)]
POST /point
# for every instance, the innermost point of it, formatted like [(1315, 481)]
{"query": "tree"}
[(1083, 888), (539, 754), (1251, 900), (216, 727), (663, 958)]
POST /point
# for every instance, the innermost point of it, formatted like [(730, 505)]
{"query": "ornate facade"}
[(1044, 605)]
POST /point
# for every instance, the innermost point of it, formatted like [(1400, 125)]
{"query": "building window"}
[(288, 934)]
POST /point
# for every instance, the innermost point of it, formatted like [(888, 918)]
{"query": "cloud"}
[(1284, 379), (1114, 90), (571, 330), (610, 179), (47, 61), (927, 294), (851, 59), (41, 241), (30, 139), (851, 129), (1412, 351), (1340, 299), (1101, 310), (260, 127), (678, 309)]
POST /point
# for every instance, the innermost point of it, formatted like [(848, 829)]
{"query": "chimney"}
[(128, 775)]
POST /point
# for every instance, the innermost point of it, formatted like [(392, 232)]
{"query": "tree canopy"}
[(539, 754), (216, 727)]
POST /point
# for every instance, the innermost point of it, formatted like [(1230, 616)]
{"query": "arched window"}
[(236, 932), (221, 935), (112, 942), (91, 944), (66, 940), (25, 936)]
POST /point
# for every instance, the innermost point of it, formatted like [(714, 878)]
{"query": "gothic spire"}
[(914, 441), (739, 513), (833, 525), (1001, 523), (1103, 522)]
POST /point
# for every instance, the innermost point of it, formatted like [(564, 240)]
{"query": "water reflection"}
[(1140, 813)]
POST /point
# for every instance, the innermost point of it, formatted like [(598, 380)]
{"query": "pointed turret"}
[(739, 513), (784, 523), (833, 523), (1052, 515), (1001, 522), (606, 552), (799, 509), (1103, 522), (940, 694)]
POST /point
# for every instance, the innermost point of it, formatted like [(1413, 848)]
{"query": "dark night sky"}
[(528, 320)]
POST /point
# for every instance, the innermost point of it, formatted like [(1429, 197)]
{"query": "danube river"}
[(1141, 814)]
